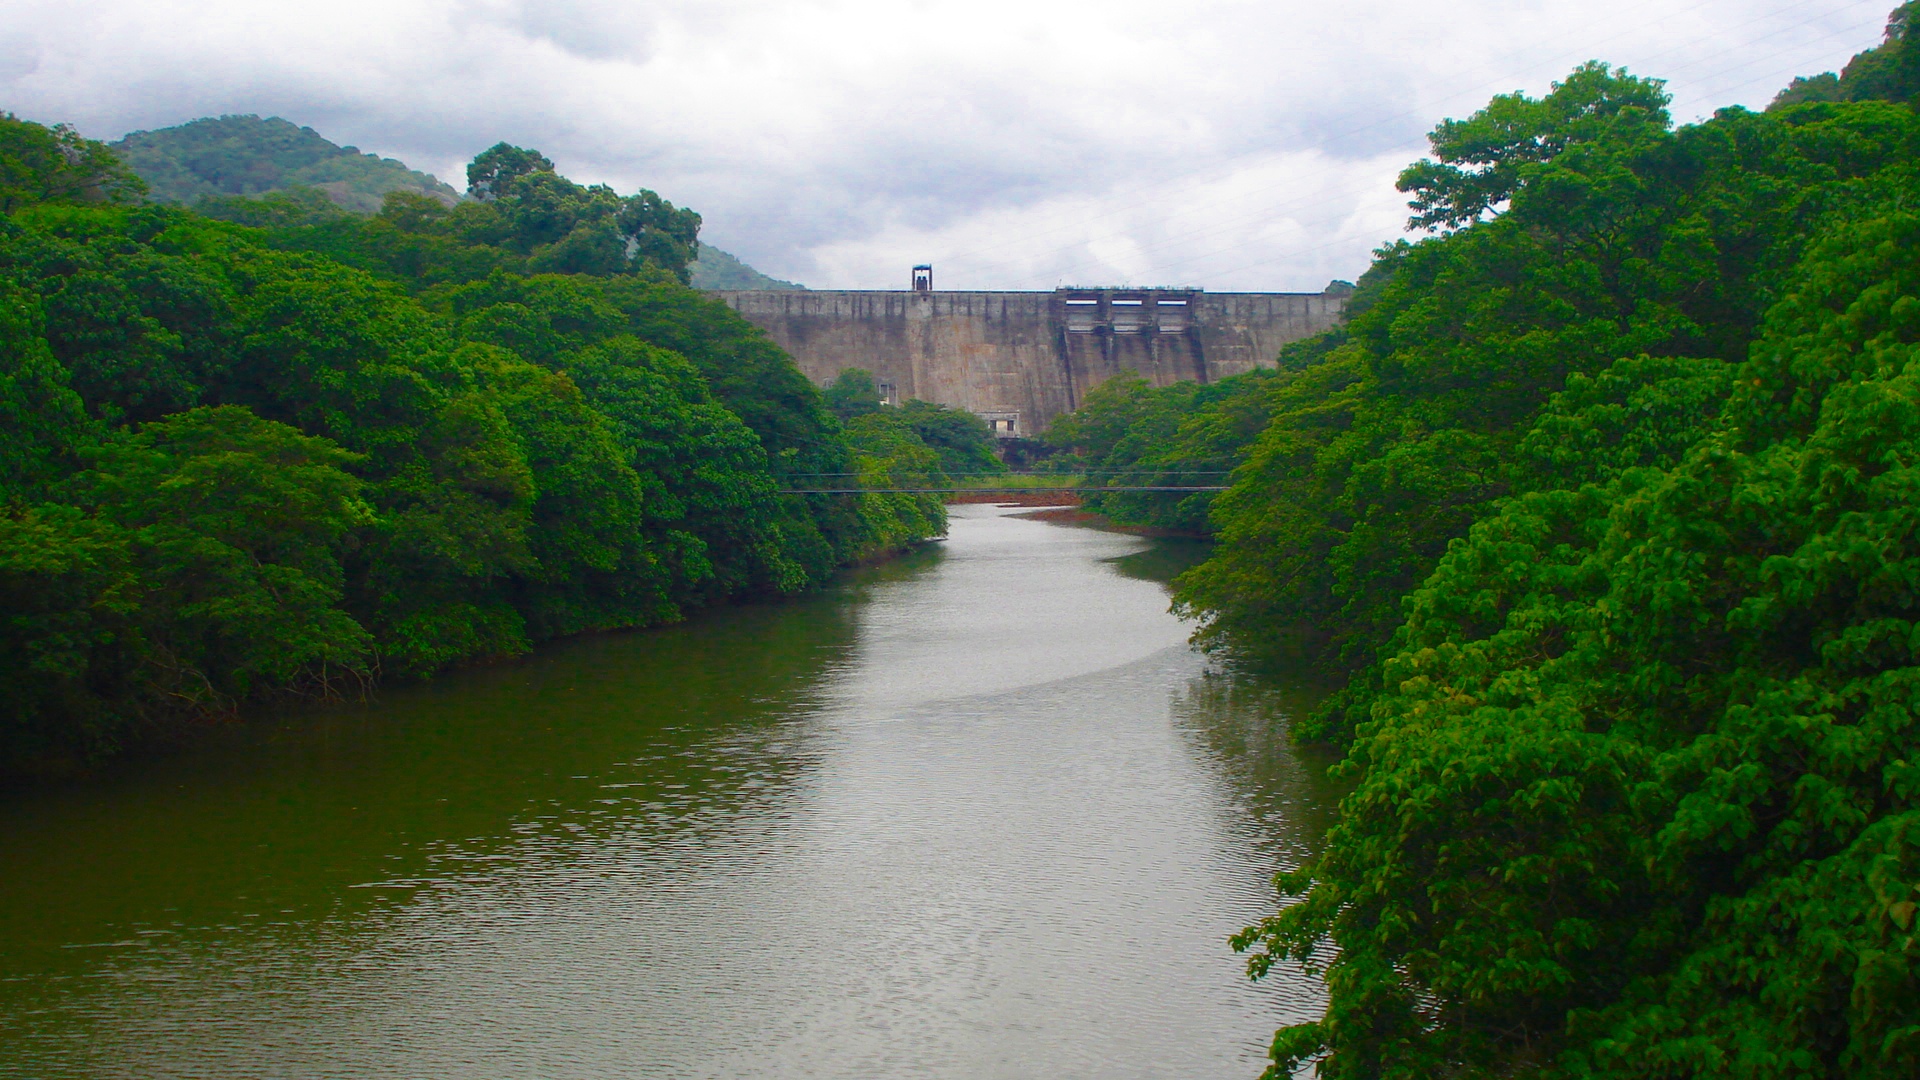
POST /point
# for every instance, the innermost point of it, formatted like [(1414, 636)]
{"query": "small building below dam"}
[(1019, 359)]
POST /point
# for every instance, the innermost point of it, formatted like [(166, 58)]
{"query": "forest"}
[(1598, 520), (214, 157), (1600, 517), (269, 448)]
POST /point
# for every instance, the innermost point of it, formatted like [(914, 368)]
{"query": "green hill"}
[(246, 155), (715, 269)]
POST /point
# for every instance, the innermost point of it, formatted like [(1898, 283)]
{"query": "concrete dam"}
[(1019, 359)]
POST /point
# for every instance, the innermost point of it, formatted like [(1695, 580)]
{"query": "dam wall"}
[(1022, 358)]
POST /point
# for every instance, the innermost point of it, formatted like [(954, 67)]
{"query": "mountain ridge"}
[(246, 155)]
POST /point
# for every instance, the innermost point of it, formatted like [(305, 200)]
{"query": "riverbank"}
[(160, 733), (1067, 508), (1024, 498), (1075, 516)]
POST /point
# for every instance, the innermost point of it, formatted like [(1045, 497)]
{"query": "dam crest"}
[(1019, 359)]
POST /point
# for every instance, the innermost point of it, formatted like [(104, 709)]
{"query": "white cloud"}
[(1226, 143)]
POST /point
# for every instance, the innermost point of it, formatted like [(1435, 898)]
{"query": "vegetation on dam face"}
[(297, 449), (1603, 508)]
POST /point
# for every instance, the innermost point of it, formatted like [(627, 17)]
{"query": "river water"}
[(979, 813)]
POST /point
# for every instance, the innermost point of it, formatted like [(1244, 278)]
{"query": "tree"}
[(236, 524), (44, 419), (897, 469), (281, 452), (852, 393), (1888, 72), (1403, 427), (711, 513), (1633, 798), (55, 165), (563, 227), (1515, 132), (961, 438), (491, 175)]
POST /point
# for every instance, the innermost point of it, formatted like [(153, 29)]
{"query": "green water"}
[(979, 813)]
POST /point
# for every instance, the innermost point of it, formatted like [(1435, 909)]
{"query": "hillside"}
[(715, 269), (246, 155)]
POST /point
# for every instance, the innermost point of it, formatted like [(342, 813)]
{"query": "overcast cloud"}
[(1022, 144)]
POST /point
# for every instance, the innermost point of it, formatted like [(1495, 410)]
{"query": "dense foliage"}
[(960, 438), (239, 466), (245, 155), (853, 393), (1890, 72), (1637, 794), (1128, 433), (41, 164), (1603, 506)]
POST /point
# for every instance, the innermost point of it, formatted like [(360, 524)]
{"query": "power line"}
[(1279, 212), (1229, 165), (1062, 489), (1287, 210), (1085, 266)]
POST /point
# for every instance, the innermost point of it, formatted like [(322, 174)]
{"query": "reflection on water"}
[(976, 814)]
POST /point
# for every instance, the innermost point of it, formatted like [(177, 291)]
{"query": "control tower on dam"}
[(1019, 359)]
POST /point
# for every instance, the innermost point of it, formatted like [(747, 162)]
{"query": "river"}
[(978, 813)]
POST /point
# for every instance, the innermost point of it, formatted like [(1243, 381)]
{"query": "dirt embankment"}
[(1073, 515), (1065, 499)]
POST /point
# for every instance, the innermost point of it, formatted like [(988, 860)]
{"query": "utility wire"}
[(1229, 165), (1280, 212), (1241, 224), (1294, 253), (1269, 213)]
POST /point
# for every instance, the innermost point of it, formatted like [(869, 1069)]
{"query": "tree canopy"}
[(56, 165), (1598, 513), (235, 157), (1888, 72), (302, 450)]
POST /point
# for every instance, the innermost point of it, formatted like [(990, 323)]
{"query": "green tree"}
[(55, 165), (1404, 428), (237, 526), (133, 308), (228, 160), (896, 466), (44, 419), (852, 393), (282, 449), (1888, 72), (565, 228), (289, 207), (69, 625), (711, 512), (960, 438), (1633, 801), (1483, 160)]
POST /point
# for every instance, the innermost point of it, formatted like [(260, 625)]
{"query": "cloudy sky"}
[(1231, 144)]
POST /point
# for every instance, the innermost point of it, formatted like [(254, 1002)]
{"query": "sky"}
[(1013, 144)]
